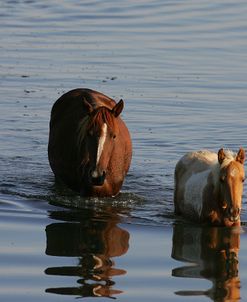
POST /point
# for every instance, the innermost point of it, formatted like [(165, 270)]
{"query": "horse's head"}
[(101, 136), (231, 178)]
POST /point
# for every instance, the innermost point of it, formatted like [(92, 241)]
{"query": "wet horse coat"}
[(209, 187), (89, 145)]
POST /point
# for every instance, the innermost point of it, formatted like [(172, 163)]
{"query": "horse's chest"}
[(193, 194)]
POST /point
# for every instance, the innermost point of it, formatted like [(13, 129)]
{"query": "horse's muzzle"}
[(233, 214), (97, 179)]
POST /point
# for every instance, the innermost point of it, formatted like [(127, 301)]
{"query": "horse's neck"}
[(214, 179), (211, 188), (211, 197)]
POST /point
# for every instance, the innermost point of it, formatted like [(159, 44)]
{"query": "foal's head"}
[(231, 178), (101, 136)]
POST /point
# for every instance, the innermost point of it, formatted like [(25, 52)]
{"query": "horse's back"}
[(72, 103), (188, 169), (194, 162), (197, 161)]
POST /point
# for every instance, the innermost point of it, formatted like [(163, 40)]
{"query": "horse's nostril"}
[(98, 178), (234, 213)]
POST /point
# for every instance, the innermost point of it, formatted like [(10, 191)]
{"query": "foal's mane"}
[(94, 121), (229, 157)]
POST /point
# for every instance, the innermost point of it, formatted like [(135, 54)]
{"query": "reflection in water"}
[(214, 254), (94, 241)]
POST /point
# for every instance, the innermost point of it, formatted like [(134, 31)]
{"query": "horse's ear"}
[(241, 156), (88, 106), (118, 108), (221, 156)]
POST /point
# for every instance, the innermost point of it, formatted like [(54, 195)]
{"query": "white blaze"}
[(101, 142), (100, 148)]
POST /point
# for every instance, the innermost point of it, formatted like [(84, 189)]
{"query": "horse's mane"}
[(229, 157), (102, 115), (82, 129), (94, 121)]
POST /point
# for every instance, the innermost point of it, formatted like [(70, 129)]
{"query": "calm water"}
[(181, 67)]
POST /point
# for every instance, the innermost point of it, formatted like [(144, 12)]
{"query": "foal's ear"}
[(118, 108), (241, 156), (221, 156), (88, 106)]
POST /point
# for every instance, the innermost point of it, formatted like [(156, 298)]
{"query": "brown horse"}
[(89, 145), (95, 241), (209, 188)]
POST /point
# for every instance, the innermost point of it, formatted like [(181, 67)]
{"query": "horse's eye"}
[(113, 136), (243, 180)]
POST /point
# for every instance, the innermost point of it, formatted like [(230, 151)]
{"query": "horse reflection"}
[(214, 254), (95, 243)]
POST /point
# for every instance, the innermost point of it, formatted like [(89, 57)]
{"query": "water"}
[(181, 67)]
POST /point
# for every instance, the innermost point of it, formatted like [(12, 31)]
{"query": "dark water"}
[(181, 68)]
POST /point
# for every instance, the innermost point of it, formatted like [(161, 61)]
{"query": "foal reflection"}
[(214, 254), (95, 243)]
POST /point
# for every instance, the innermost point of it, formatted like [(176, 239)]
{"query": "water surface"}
[(181, 67)]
